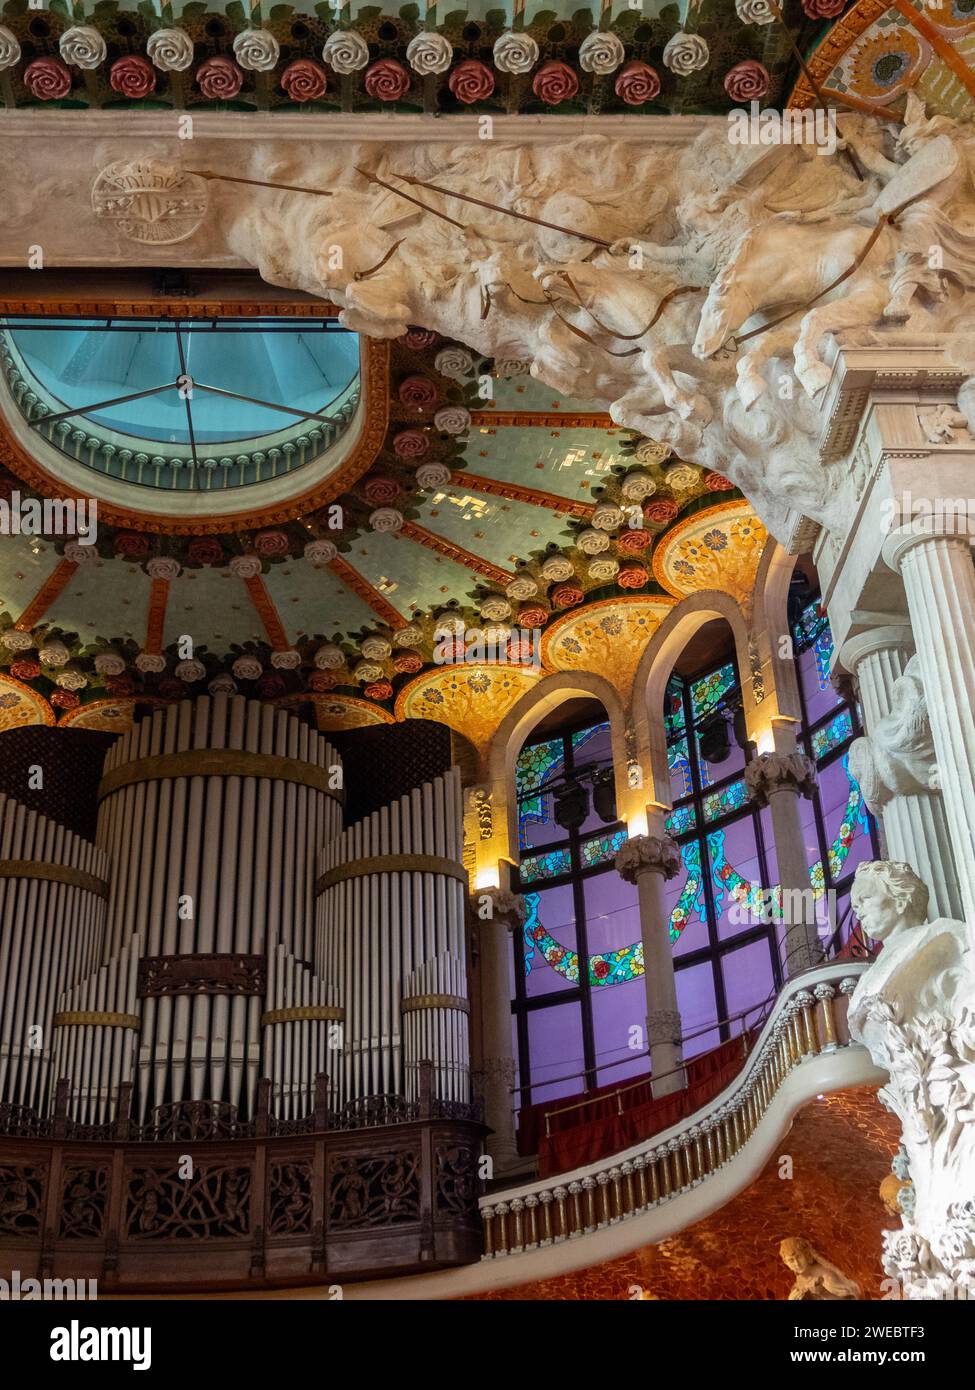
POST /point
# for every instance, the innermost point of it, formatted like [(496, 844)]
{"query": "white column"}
[(507, 913), (939, 580), (914, 825), (777, 780), (648, 861)]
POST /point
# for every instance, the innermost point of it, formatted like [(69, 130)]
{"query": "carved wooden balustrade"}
[(809, 1019), (390, 1189)]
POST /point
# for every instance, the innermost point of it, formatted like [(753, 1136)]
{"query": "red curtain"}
[(608, 1122)]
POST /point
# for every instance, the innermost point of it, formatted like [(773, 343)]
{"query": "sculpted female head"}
[(888, 896)]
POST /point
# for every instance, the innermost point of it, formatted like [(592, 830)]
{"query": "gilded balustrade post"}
[(825, 994), (628, 1199), (546, 1199), (663, 1168), (487, 1216), (501, 1212), (615, 1196), (709, 1153), (576, 1220), (655, 1193), (531, 1204), (695, 1134), (518, 1233), (601, 1199), (561, 1215), (642, 1190), (806, 1004), (591, 1216), (676, 1171)]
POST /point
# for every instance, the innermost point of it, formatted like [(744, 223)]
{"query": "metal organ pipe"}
[(390, 935)]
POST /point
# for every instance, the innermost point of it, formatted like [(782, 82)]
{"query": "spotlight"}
[(604, 796), (740, 728), (712, 738), (571, 806)]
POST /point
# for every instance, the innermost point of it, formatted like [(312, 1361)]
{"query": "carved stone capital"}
[(642, 854), (776, 772), (507, 908)]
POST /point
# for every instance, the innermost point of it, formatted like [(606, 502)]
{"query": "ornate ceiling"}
[(488, 505)]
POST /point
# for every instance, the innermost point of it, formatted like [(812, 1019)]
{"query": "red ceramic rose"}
[(534, 615), (320, 681), (304, 80), (219, 79), (47, 79), (131, 545), (632, 577), (661, 511), (747, 81), (132, 77), (25, 670), (555, 82), (270, 543), (205, 550), (418, 391), (471, 81), (378, 690), (410, 444), (407, 663), (120, 685), (271, 684), (632, 542), (381, 492), (717, 482), (823, 9), (418, 338), (65, 699), (387, 80), (171, 690), (567, 595), (637, 83), (600, 968)]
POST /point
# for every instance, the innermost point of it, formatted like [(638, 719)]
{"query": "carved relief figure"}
[(816, 1278), (897, 757)]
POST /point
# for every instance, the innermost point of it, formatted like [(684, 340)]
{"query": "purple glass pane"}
[(555, 1049), (614, 1013), (695, 933), (748, 981), (695, 1000), (612, 914), (734, 857)]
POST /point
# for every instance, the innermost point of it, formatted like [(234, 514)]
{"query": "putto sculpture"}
[(816, 1278)]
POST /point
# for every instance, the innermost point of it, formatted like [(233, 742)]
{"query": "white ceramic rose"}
[(452, 419), (71, 679), (150, 663), (320, 552), (755, 12), (454, 362), (432, 475), (592, 542), (601, 53), (288, 660), (109, 663), (83, 47), (495, 609), (9, 49), (257, 50), (329, 657), (409, 636), (246, 566), (16, 641), (521, 588), (429, 53), (557, 569), (345, 51), (54, 654), (170, 50), (686, 53), (607, 516), (190, 671), (515, 53), (376, 648), (247, 668), (386, 519)]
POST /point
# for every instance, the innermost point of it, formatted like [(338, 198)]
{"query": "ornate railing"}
[(809, 1019), (257, 1209)]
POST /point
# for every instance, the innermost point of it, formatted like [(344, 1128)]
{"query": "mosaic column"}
[(777, 780), (893, 763), (507, 914), (648, 861), (939, 581)]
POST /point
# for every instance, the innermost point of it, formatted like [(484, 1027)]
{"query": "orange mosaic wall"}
[(840, 1148)]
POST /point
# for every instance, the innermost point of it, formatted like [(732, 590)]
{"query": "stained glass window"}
[(831, 735), (707, 693), (549, 865), (730, 798)]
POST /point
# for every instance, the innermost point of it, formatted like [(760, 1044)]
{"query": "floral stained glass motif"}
[(837, 731), (690, 904), (824, 654), (810, 625), (680, 770), (537, 939), (601, 848), (681, 819), (674, 709), (728, 799), (708, 692), (547, 865), (535, 765)]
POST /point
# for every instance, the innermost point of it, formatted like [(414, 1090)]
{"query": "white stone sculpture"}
[(719, 243), (914, 1009), (897, 757), (816, 1278)]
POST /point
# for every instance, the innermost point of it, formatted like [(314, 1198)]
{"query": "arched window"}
[(578, 964)]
